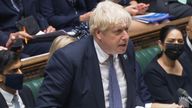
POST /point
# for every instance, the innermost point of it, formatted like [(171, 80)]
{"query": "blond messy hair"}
[(60, 42), (108, 14)]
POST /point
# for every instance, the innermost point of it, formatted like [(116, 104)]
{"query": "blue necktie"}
[(114, 90), (15, 101)]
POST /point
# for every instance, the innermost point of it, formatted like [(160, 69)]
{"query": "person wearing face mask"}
[(167, 72), (12, 92)]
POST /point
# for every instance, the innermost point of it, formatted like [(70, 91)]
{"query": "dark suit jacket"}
[(187, 56), (73, 79), (173, 7), (142, 89), (26, 96), (9, 17), (62, 14)]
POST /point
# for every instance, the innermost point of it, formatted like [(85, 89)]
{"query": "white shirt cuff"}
[(148, 105)]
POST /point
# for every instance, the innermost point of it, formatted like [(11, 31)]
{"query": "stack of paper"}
[(152, 17)]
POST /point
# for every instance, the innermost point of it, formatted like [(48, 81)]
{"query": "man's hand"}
[(132, 9), (142, 8), (174, 106), (49, 29), (136, 9), (85, 17), (16, 35), (2, 48)]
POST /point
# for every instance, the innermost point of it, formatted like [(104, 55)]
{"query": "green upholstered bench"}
[(34, 85), (144, 56)]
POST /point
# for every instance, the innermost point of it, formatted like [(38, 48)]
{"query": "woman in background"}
[(167, 73)]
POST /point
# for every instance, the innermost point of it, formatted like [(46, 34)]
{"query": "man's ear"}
[(98, 34)]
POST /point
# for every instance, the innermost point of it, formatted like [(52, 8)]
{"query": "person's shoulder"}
[(153, 67), (75, 49)]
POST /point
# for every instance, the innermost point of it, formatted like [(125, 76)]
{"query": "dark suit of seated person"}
[(11, 12), (187, 55), (176, 8), (81, 77), (167, 72), (66, 14), (12, 92)]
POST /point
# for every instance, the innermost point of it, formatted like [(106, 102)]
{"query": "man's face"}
[(114, 40)]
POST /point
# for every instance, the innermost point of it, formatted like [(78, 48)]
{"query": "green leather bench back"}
[(144, 56), (34, 85)]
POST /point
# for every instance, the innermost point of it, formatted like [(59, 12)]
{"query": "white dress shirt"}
[(9, 97), (104, 69), (189, 43)]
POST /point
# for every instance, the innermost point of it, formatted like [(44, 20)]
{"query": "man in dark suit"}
[(12, 93), (15, 10), (176, 8), (187, 54), (79, 75), (66, 14)]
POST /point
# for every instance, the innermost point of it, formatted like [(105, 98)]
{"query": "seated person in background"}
[(60, 42), (176, 8), (135, 8), (12, 92), (66, 14), (12, 39), (144, 94), (13, 11), (187, 55), (167, 72)]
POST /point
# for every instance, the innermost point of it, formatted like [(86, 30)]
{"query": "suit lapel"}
[(94, 75), (9, 4), (23, 97), (128, 68), (3, 103), (189, 52)]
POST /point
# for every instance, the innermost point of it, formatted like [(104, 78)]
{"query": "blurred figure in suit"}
[(12, 92), (13, 11)]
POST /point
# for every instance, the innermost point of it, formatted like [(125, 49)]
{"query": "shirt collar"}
[(188, 42), (8, 96), (102, 56)]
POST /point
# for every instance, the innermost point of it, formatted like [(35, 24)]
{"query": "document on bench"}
[(152, 17), (47, 36)]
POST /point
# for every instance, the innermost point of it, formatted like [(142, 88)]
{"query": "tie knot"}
[(15, 101), (15, 98), (110, 59)]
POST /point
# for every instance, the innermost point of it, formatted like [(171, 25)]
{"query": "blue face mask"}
[(14, 81)]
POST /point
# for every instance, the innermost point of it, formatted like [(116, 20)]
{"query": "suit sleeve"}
[(56, 86), (41, 20), (142, 89), (47, 9), (157, 86), (4, 36)]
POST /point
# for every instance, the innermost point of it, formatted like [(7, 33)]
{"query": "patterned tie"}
[(15, 101), (114, 91)]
